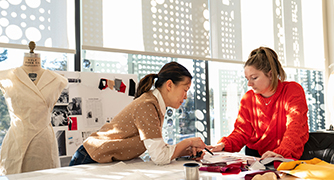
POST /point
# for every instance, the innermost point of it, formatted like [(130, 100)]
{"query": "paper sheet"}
[(74, 140), (225, 157), (94, 112)]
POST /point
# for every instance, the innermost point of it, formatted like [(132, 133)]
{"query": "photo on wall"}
[(60, 135), (75, 106), (63, 98), (72, 123), (59, 116)]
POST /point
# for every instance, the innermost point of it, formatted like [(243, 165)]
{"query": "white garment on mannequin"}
[(30, 143)]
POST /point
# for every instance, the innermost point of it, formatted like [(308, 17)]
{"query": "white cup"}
[(191, 171)]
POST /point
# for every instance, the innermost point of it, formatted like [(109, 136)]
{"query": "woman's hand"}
[(198, 150), (270, 154), (217, 147), (188, 146), (197, 142), (192, 151)]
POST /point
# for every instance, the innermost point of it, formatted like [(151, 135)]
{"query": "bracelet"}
[(223, 147)]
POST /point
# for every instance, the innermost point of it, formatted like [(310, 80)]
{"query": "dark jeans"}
[(81, 157)]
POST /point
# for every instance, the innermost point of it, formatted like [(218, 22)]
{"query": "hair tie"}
[(156, 76), (259, 51)]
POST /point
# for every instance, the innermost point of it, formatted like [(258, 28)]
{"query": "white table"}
[(135, 169)]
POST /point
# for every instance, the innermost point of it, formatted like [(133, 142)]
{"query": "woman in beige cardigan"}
[(138, 127)]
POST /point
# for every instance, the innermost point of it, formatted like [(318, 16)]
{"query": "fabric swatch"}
[(122, 88), (132, 88), (103, 84), (118, 83)]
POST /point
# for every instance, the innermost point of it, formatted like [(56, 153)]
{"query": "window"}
[(211, 38), (187, 121), (228, 85), (50, 24), (220, 32)]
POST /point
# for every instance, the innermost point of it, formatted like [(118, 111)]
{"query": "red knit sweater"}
[(281, 126)]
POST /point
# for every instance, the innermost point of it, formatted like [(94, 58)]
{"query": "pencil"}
[(208, 151)]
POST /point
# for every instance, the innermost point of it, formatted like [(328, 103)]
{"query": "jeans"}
[(81, 157)]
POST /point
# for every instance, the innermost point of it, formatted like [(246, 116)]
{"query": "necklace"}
[(264, 99), (265, 102)]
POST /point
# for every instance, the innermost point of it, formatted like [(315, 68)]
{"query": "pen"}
[(208, 151)]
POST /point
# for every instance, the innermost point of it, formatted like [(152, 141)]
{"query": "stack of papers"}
[(225, 158)]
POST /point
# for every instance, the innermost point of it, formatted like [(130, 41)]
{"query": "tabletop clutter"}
[(271, 168)]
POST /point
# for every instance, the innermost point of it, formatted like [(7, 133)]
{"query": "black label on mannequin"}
[(32, 76)]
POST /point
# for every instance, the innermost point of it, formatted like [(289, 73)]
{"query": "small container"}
[(191, 171)]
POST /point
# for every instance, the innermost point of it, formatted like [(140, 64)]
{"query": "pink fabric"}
[(228, 169)]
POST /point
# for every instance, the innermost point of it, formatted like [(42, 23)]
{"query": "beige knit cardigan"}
[(122, 138)]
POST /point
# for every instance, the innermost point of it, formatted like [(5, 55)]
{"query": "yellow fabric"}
[(309, 169)]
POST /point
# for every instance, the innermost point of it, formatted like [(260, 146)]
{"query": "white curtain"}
[(47, 23), (224, 29)]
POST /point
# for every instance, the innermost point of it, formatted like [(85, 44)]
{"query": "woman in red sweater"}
[(272, 119)]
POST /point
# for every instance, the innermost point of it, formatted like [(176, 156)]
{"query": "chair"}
[(251, 152), (320, 145)]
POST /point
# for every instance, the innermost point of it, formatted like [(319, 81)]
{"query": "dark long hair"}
[(265, 59), (172, 70)]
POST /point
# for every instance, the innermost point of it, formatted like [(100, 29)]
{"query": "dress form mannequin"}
[(30, 143), (32, 64)]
